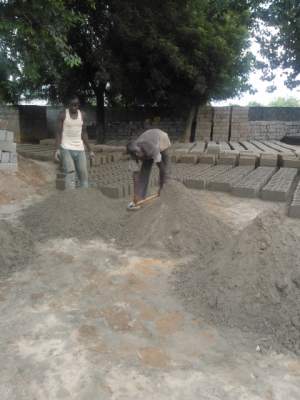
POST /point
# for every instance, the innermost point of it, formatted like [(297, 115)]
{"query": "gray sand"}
[(16, 247), (251, 282), (254, 284)]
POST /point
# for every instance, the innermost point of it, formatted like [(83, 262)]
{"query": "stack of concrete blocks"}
[(10, 120), (8, 151), (272, 130), (292, 128), (115, 179), (240, 128), (204, 123), (221, 124)]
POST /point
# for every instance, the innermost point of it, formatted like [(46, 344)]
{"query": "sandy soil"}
[(91, 316)]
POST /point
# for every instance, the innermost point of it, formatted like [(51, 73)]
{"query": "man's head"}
[(74, 104), (134, 150)]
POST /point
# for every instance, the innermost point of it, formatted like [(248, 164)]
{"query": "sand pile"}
[(83, 214), (254, 284), (176, 222), (16, 248)]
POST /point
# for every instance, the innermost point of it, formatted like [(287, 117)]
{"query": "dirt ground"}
[(89, 319)]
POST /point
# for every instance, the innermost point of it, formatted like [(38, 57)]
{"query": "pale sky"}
[(262, 96)]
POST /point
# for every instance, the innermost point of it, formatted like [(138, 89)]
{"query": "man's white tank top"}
[(71, 134)]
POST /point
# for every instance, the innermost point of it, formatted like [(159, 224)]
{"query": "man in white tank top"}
[(70, 142)]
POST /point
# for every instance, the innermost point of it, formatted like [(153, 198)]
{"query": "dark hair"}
[(131, 149), (73, 97)]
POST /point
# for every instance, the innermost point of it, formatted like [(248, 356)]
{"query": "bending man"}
[(150, 147), (70, 141)]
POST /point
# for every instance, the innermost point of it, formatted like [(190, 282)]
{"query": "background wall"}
[(32, 123)]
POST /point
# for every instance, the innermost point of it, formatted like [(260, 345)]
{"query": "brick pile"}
[(8, 151), (240, 129), (221, 124), (204, 123)]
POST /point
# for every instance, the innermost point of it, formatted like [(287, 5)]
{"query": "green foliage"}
[(285, 102), (278, 32), (33, 38), (181, 52), (254, 104), (151, 53)]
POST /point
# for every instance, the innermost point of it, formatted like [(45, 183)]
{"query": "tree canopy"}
[(278, 32), (170, 53)]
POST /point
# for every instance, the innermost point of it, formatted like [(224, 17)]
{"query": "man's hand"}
[(92, 155), (57, 156)]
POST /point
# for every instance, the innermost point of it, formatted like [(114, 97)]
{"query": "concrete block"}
[(212, 148), (268, 160), (290, 161), (248, 159), (8, 167), (13, 158), (114, 192), (9, 136), (8, 146), (251, 185), (5, 157), (224, 182), (207, 159), (6, 136), (194, 183), (294, 208), (280, 186), (188, 159), (199, 148), (294, 211), (228, 158)]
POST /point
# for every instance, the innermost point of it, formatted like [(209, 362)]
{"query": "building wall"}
[(32, 123)]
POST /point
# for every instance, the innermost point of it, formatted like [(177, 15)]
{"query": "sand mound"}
[(16, 247), (176, 222), (83, 214), (254, 284)]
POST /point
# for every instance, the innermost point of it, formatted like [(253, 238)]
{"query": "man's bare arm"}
[(58, 138), (84, 134)]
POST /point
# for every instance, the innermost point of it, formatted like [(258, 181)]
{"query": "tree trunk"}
[(100, 115), (189, 123)]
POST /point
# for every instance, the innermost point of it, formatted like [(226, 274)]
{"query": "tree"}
[(172, 53), (254, 104), (285, 102), (33, 45), (278, 32)]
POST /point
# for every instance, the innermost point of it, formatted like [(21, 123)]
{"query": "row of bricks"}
[(6, 136), (267, 182), (8, 157), (246, 158)]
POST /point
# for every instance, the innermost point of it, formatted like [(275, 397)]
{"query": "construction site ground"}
[(88, 319)]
